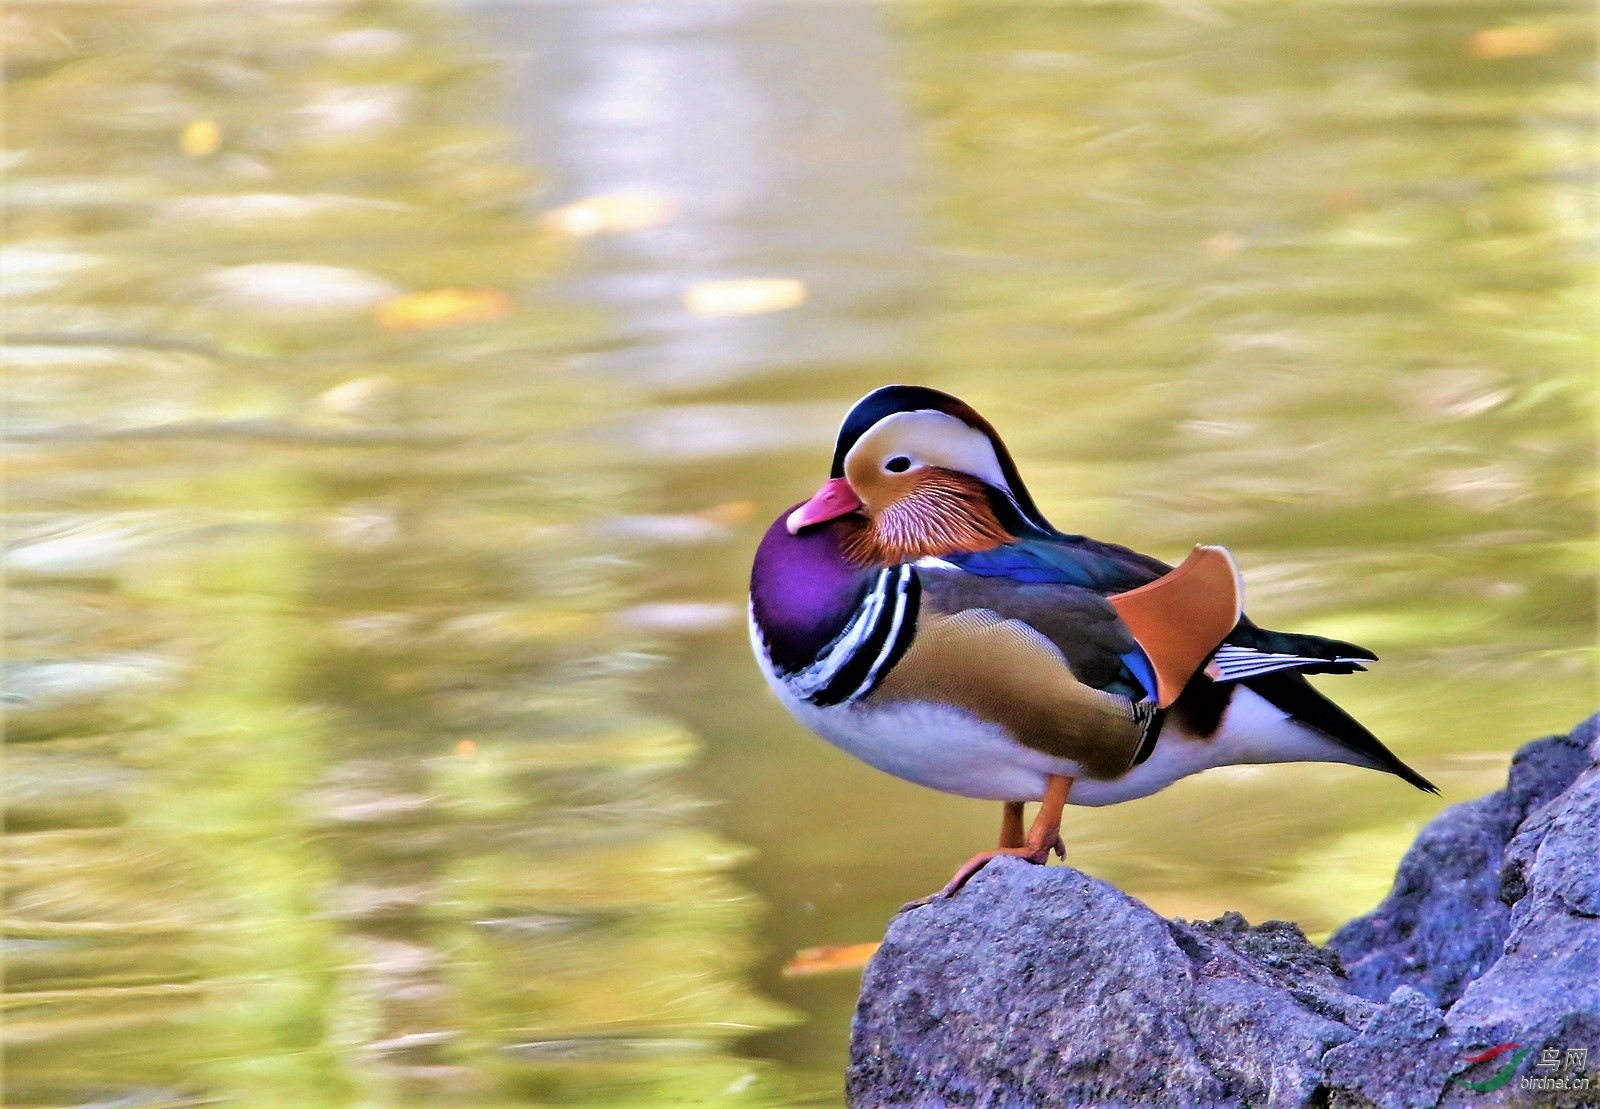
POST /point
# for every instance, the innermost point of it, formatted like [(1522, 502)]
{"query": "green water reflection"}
[(325, 780), (382, 729), (1309, 281)]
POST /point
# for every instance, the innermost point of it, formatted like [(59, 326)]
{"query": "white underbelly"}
[(951, 750), (939, 747), (943, 748)]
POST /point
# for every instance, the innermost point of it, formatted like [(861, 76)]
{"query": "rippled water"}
[(396, 394)]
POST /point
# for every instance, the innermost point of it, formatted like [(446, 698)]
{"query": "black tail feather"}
[(1249, 634), (1294, 695)]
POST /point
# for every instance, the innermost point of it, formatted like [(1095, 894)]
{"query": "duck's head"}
[(925, 474)]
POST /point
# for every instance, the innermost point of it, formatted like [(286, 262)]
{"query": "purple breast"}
[(803, 591)]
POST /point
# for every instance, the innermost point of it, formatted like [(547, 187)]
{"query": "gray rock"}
[(985, 1000), (1045, 987), (1401, 1058), (1445, 922), (1544, 990)]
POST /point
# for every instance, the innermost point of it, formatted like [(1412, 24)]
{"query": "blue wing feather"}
[(1140, 667), (1064, 560)]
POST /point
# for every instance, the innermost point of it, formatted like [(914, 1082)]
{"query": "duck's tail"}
[(1289, 692)]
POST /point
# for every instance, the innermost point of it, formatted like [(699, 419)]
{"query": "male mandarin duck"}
[(920, 613)]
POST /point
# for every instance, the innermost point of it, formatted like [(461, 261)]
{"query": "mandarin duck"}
[(920, 613)]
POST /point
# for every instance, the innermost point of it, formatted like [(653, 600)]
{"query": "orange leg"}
[(1011, 825), (1044, 836)]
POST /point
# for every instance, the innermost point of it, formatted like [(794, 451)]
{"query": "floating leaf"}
[(1523, 41), (201, 138), (442, 308), (745, 296), (833, 959)]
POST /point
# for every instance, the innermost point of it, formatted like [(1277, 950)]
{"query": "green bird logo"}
[(1500, 1077)]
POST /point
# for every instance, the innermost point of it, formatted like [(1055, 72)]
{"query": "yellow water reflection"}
[(382, 486), (326, 780), (1311, 282)]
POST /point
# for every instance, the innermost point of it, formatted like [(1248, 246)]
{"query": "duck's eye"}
[(899, 464)]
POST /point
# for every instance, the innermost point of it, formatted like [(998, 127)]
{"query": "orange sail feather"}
[(1182, 616)]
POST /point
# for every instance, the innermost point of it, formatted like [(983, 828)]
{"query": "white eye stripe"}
[(938, 439)]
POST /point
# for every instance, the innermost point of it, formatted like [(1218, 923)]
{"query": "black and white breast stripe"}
[(852, 665)]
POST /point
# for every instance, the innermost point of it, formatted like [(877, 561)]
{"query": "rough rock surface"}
[(1446, 920), (1045, 987)]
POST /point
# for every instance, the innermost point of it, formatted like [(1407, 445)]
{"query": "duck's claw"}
[(1044, 839), (1036, 855)]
